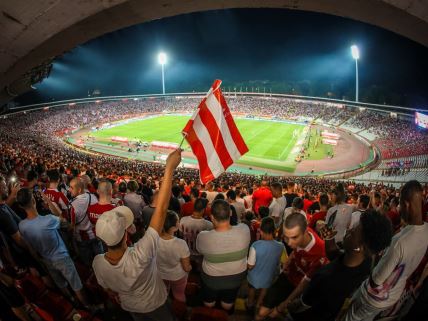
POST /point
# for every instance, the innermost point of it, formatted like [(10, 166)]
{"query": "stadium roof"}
[(35, 32)]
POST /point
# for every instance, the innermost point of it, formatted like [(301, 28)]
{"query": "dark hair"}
[(268, 225), (263, 211), (32, 175), (194, 192), (231, 194), (220, 209), (132, 186), (170, 220), (53, 175), (339, 191), (176, 190), (408, 190), (324, 199), (122, 187), (24, 197), (249, 216), (296, 219), (219, 196), (203, 195), (376, 230), (200, 204), (395, 200), (297, 203), (276, 186), (365, 200)]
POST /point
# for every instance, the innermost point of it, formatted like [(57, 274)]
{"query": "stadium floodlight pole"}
[(162, 61), (356, 55)]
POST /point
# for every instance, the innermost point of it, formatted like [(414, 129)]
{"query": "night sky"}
[(272, 47)]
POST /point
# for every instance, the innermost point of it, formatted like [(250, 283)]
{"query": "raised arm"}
[(158, 218)]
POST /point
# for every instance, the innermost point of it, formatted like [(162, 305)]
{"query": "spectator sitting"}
[(225, 257), (173, 258), (264, 261)]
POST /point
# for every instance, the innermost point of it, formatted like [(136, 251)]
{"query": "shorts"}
[(226, 296), (278, 292), (11, 296), (63, 272)]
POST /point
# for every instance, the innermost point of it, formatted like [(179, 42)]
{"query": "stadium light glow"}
[(356, 55), (355, 52), (162, 61)]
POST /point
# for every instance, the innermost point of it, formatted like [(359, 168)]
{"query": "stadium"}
[(104, 212)]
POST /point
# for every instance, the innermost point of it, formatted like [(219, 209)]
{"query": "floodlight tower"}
[(356, 55), (162, 61)]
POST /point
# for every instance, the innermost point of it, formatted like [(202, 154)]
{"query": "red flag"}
[(213, 136)]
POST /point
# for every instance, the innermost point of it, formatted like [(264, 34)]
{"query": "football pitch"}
[(272, 144)]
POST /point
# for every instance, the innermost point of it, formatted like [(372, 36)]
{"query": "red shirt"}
[(306, 204), (316, 217), (305, 262), (261, 197), (95, 211), (59, 199), (395, 218), (187, 209)]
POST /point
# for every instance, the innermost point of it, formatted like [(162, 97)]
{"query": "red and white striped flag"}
[(213, 136)]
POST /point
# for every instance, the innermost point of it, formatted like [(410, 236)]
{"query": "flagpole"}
[(181, 142)]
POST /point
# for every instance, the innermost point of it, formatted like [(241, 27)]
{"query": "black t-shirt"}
[(290, 197), (329, 287)]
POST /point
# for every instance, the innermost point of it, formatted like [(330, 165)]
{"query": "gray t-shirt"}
[(342, 221), (147, 214)]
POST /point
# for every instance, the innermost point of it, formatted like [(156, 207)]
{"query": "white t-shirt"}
[(169, 258), (135, 278), (394, 268), (291, 210), (190, 228), (355, 218), (225, 253), (342, 221), (249, 200), (211, 196), (277, 207)]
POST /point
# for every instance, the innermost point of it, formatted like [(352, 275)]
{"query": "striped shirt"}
[(225, 253)]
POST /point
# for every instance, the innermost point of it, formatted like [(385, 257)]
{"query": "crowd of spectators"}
[(100, 231)]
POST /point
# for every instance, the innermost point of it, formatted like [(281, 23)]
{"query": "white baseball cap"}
[(111, 225)]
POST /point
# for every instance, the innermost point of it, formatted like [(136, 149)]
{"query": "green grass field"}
[(271, 144)]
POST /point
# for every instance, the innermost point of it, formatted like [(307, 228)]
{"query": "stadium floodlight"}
[(356, 55), (162, 61)]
